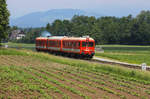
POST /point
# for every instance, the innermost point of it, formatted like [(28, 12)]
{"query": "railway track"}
[(106, 61), (114, 63)]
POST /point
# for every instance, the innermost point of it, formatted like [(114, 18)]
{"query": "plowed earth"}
[(28, 77)]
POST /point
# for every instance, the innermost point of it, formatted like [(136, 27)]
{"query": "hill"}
[(40, 19)]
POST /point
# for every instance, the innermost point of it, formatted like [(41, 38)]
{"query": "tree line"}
[(105, 30)]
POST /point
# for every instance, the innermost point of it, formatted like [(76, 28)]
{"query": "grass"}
[(20, 45), (121, 46), (125, 53), (142, 75), (59, 76)]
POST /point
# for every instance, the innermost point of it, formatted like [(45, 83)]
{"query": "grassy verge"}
[(125, 53), (20, 45)]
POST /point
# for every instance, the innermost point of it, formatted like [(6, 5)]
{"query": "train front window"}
[(91, 44), (83, 44)]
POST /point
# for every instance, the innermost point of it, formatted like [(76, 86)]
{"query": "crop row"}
[(52, 80), (90, 82), (60, 77), (134, 93), (28, 83)]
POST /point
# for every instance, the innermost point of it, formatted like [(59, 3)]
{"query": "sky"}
[(117, 8)]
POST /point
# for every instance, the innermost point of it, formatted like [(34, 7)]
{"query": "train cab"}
[(88, 47)]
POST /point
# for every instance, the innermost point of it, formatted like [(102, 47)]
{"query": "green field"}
[(20, 45), (126, 53), (28, 74)]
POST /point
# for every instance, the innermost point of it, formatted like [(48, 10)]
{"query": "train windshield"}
[(90, 44), (84, 44)]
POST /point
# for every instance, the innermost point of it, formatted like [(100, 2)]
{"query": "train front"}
[(88, 47)]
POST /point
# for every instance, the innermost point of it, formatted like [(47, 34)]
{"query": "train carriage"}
[(71, 46), (54, 43), (41, 43), (84, 46)]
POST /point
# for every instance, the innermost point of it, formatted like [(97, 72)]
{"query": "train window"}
[(83, 44), (50, 43), (59, 43), (41, 43), (38, 42), (64, 43), (91, 44), (74, 44), (70, 44)]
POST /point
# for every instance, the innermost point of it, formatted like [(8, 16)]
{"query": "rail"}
[(106, 61)]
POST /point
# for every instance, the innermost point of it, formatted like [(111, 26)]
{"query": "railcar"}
[(41, 44), (69, 46)]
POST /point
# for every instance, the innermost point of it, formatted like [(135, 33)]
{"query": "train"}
[(79, 47)]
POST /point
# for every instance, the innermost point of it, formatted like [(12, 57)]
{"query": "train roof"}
[(56, 37), (41, 38), (65, 38), (77, 38)]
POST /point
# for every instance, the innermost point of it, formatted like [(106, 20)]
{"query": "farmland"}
[(126, 53), (28, 74), (20, 45)]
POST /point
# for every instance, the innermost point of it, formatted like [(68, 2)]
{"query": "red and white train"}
[(83, 47)]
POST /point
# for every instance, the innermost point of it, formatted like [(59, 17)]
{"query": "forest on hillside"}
[(105, 30)]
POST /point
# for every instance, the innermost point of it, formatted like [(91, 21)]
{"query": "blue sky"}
[(107, 7)]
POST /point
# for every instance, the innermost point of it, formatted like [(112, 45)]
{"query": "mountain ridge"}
[(40, 19)]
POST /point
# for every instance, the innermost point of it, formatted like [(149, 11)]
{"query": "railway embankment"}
[(125, 64)]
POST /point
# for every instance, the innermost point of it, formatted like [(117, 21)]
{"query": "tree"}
[(57, 28), (67, 25), (4, 19), (81, 25), (48, 27), (144, 16)]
